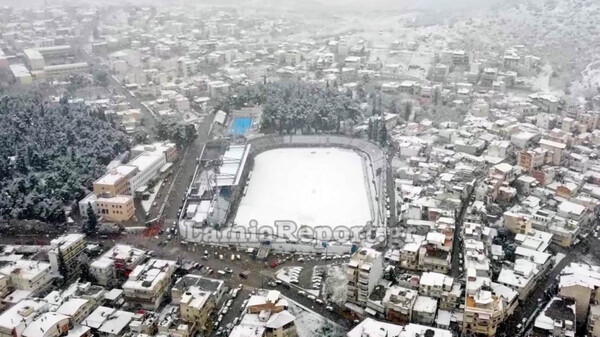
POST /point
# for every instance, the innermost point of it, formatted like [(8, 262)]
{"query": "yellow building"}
[(115, 182), (118, 208), (483, 313), (196, 306)]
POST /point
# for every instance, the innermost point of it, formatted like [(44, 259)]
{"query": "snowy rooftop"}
[(26, 269), (425, 304), (43, 323), (71, 306), (372, 328), (14, 316), (557, 310), (108, 320), (232, 165)]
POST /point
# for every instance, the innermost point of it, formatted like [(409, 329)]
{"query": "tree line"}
[(50, 154), (292, 106)]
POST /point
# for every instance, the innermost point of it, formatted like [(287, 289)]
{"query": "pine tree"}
[(370, 129), (407, 111), (62, 267), (382, 136), (92, 222)]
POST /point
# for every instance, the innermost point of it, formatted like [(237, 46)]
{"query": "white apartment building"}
[(196, 305), (16, 319), (522, 277), (148, 165), (148, 283), (424, 310), (48, 324), (71, 246), (364, 270), (28, 275)]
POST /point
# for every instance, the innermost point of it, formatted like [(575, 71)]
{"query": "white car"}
[(319, 301), (302, 293), (312, 297), (329, 308)]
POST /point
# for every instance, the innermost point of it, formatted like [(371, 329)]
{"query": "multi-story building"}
[(148, 165), (215, 287), (63, 70), (593, 321), (484, 311), (409, 253), (424, 310), (4, 285), (364, 270), (196, 305), (77, 308), (517, 223), (266, 316), (398, 304), (48, 324), (434, 284), (108, 322), (532, 159), (28, 275), (148, 283), (555, 149), (557, 319), (115, 182), (521, 277), (168, 149), (372, 328), (16, 319), (69, 247), (34, 59), (580, 282), (434, 254), (119, 208), (119, 259), (217, 89), (590, 119)]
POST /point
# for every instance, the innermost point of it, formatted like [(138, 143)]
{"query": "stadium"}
[(302, 193)]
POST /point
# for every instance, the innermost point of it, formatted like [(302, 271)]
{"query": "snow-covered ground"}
[(310, 186), (336, 284)]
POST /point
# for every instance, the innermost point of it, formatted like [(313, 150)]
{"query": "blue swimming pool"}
[(240, 125)]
